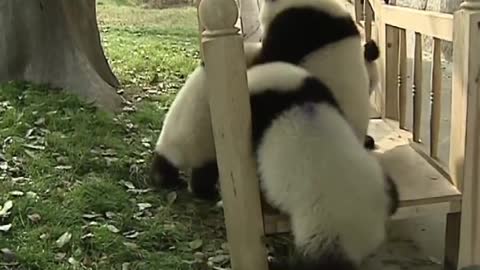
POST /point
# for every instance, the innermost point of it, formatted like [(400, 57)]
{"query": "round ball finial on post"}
[(218, 16), (470, 4)]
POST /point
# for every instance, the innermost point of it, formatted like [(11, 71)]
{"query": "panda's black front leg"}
[(204, 181), (164, 174), (369, 143)]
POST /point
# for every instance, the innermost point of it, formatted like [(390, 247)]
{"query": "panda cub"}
[(312, 167), (186, 139), (322, 37)]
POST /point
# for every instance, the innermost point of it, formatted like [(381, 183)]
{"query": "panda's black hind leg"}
[(369, 143), (163, 174), (204, 181), (393, 194)]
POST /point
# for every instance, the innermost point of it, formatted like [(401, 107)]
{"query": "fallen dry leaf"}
[(112, 228), (16, 193), (171, 197), (8, 255), (35, 218), (6, 207), (64, 239), (196, 244), (129, 185), (5, 228), (143, 206)]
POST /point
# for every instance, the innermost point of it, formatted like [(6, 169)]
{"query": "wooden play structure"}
[(427, 185)]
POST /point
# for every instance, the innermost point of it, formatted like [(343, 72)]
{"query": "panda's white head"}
[(271, 8)]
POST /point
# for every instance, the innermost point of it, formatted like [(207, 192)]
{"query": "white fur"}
[(339, 65), (186, 138), (313, 168), (261, 77), (373, 75)]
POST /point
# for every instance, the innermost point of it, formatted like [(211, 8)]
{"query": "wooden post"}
[(200, 29), (231, 121), (465, 135)]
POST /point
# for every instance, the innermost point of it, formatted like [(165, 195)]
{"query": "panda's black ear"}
[(371, 52)]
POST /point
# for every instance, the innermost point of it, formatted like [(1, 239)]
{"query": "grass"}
[(75, 176)]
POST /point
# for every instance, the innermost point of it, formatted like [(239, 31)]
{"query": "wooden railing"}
[(229, 106), (462, 165)]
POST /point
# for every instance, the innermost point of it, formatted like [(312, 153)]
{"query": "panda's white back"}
[(339, 64), (312, 167), (186, 138), (342, 68)]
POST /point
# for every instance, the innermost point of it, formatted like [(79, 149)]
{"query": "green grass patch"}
[(75, 173)]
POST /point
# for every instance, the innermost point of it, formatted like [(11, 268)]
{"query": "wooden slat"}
[(402, 79), (417, 88), (358, 10), (436, 98), (368, 20), (430, 23), (421, 183), (379, 94), (391, 73)]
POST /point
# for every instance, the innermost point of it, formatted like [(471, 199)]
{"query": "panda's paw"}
[(203, 183), (163, 174), (369, 143), (206, 193)]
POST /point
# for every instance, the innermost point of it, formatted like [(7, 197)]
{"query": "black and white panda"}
[(186, 139), (322, 37), (312, 167)]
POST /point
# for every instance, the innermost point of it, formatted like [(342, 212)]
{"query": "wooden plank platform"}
[(423, 189)]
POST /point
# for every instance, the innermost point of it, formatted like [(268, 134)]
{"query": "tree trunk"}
[(56, 42)]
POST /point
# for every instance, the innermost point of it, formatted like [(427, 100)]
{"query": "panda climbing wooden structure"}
[(425, 185)]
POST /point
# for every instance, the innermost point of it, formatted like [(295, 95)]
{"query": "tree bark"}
[(56, 42)]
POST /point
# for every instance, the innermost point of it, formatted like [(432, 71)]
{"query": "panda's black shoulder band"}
[(267, 105)]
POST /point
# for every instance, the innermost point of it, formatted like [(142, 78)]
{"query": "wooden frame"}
[(426, 186)]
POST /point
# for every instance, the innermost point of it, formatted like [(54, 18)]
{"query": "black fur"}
[(163, 174), (284, 41), (369, 143), (371, 51), (204, 180), (331, 259), (393, 193), (268, 105)]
